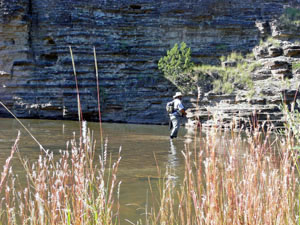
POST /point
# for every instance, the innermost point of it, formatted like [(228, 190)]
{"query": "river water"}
[(144, 147)]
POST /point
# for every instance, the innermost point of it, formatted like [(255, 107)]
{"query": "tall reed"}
[(98, 97), (80, 116)]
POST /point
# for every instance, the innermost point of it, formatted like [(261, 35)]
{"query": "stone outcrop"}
[(275, 82), (36, 78)]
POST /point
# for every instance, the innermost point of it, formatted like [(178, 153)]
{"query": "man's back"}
[(178, 107)]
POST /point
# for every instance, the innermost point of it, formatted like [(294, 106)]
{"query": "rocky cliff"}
[(276, 81), (36, 75)]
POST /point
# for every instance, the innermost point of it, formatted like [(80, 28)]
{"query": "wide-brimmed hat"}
[(178, 94)]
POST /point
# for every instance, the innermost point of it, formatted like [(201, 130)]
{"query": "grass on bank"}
[(228, 78), (270, 41), (295, 66), (233, 73)]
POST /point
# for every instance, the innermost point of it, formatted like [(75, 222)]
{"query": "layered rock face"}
[(275, 83), (36, 78)]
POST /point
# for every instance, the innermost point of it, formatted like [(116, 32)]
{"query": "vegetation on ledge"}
[(290, 18), (234, 71)]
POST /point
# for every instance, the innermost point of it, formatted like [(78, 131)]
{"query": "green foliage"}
[(179, 69), (270, 40), (254, 65), (290, 18), (230, 78), (250, 56), (292, 13), (234, 56), (176, 64), (227, 87), (292, 118), (273, 41), (292, 131), (295, 65)]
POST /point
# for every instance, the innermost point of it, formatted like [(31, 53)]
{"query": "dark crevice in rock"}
[(50, 57), (30, 29), (10, 42), (22, 63), (49, 41), (135, 6)]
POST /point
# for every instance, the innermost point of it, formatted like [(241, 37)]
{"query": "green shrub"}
[(253, 66), (292, 123), (270, 40), (230, 78), (178, 68), (295, 65), (273, 41), (177, 65), (290, 18), (250, 56), (234, 56), (177, 61), (292, 13)]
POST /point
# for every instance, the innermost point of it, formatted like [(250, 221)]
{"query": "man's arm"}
[(182, 112), (181, 109)]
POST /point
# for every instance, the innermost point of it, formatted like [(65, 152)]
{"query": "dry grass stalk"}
[(19, 121), (80, 116), (7, 167), (5, 176), (98, 97)]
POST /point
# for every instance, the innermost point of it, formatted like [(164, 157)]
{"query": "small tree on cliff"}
[(177, 65)]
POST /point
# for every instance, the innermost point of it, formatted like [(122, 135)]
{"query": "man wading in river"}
[(176, 114)]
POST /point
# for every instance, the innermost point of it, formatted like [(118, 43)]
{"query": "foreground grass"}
[(233, 180), (73, 188), (229, 179)]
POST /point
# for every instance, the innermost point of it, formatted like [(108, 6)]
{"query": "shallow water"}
[(144, 147)]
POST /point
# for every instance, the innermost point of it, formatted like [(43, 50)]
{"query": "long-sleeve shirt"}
[(178, 106)]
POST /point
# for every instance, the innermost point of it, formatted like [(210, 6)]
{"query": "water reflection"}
[(172, 157)]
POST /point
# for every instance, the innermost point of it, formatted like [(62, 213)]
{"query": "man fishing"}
[(177, 113)]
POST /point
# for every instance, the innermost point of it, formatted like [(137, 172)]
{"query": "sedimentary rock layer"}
[(36, 78)]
